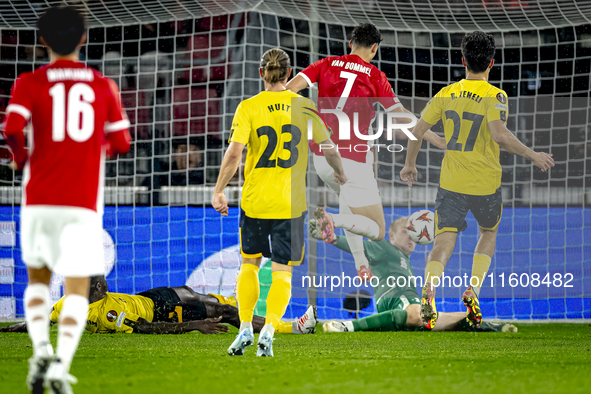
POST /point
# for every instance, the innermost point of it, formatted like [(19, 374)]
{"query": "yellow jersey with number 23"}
[(471, 162), (274, 127)]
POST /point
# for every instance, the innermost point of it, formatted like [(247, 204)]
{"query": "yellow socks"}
[(247, 291), (224, 300), (433, 272), (480, 266), (278, 297), (285, 328), (247, 294)]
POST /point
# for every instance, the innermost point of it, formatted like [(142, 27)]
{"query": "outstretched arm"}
[(229, 167), (434, 139), (339, 242), (296, 84), (118, 142), (207, 326), (409, 172), (15, 138), (18, 327), (18, 114), (429, 136), (502, 136), (333, 158), (373, 250)]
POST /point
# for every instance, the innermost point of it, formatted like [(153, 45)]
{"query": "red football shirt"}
[(351, 81), (67, 109)]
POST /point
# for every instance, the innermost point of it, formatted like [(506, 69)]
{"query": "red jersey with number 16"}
[(72, 115), (353, 85)]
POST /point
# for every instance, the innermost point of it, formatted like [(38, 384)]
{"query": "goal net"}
[(183, 67)]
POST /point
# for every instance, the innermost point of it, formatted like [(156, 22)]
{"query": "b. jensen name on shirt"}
[(352, 66), (70, 74)]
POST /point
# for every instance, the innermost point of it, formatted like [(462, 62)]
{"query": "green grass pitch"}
[(540, 358)]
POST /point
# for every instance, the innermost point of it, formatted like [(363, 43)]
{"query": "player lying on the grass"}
[(398, 306), (166, 310), (474, 115)]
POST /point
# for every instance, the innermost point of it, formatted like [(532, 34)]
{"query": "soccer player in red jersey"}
[(74, 118), (353, 85)]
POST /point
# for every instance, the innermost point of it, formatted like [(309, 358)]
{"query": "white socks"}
[(75, 307), (37, 317), (267, 327), (357, 224), (245, 325), (355, 242), (356, 245)]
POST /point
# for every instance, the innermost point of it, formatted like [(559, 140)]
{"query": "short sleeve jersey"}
[(471, 163), (274, 126), (113, 313), (350, 83)]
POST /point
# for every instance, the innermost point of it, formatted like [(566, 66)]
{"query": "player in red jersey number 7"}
[(73, 117), (351, 84)]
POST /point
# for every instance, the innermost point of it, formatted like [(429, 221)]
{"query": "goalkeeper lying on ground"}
[(165, 310), (398, 307)]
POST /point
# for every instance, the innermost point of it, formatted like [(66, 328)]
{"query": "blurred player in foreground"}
[(75, 118), (474, 115), (165, 310), (273, 126), (354, 85), (397, 300)]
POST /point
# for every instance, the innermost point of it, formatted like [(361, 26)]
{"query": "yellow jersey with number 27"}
[(274, 127), (471, 162)]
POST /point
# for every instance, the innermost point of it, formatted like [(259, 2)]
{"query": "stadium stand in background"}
[(184, 66)]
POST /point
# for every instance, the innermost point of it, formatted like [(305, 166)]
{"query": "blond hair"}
[(275, 64), (398, 224)]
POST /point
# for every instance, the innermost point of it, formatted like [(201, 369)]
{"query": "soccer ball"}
[(420, 226)]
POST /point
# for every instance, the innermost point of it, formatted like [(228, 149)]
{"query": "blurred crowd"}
[(180, 82)]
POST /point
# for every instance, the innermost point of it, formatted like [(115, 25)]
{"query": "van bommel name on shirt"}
[(352, 66), (70, 74)]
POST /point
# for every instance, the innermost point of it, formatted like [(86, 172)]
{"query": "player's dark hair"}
[(478, 49), (366, 35), (275, 64), (62, 28)]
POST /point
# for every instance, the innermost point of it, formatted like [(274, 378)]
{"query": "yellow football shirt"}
[(274, 127), (109, 314), (471, 162)]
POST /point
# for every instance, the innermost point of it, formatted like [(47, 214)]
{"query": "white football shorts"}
[(361, 188), (67, 240)]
